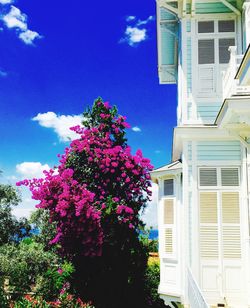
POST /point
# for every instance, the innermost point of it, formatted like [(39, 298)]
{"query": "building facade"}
[(204, 205)]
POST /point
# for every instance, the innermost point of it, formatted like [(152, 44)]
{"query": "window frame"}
[(216, 35), (163, 193), (219, 185)]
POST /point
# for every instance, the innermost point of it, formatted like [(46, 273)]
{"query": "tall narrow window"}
[(168, 222), (168, 187)]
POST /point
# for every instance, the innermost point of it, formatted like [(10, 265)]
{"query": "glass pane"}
[(224, 54), (226, 26), (205, 26), (208, 177), (206, 51), (169, 187)]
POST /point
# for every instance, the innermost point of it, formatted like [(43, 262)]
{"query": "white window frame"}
[(164, 254), (162, 188), (218, 173), (217, 67)]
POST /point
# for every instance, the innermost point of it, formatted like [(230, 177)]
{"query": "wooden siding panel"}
[(218, 150), (212, 7)]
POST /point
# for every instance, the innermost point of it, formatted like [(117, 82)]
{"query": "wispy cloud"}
[(6, 1), (146, 21), (136, 129), (18, 20), (3, 73), (130, 18), (60, 124), (134, 32)]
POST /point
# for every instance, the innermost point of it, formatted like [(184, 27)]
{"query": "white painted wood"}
[(200, 92)]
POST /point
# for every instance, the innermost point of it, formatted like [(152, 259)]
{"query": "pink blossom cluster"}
[(71, 205), (98, 178)]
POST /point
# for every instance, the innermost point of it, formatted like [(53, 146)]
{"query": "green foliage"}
[(150, 245), (24, 263), (8, 195), (54, 280), (47, 229), (11, 229)]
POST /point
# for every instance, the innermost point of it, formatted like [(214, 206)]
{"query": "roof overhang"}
[(234, 115), (185, 133), (171, 169), (181, 8)]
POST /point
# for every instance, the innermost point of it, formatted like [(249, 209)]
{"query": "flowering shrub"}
[(55, 281), (65, 301), (98, 179), (95, 197)]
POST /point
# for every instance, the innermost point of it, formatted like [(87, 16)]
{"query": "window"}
[(226, 26), (206, 51), (205, 26), (168, 187), (169, 227), (208, 177), (213, 41), (218, 177)]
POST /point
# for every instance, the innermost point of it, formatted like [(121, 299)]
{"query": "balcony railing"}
[(230, 85), (195, 296)]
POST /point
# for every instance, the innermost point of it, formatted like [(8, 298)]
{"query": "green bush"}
[(152, 280), (24, 263), (54, 281)]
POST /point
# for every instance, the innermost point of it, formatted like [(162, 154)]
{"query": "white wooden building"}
[(204, 205)]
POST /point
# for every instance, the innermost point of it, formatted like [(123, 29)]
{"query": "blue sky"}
[(56, 58)]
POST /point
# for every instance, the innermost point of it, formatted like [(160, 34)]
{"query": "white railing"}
[(195, 296), (230, 85)]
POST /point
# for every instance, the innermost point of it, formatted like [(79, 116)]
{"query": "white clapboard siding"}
[(208, 225), (218, 150)]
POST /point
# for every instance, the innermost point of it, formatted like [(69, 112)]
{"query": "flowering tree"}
[(95, 197)]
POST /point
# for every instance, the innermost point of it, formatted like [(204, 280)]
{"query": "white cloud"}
[(27, 204), (15, 19), (18, 20), (29, 36), (136, 129), (28, 170), (3, 73), (149, 215), (60, 124), (134, 35), (6, 1)]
